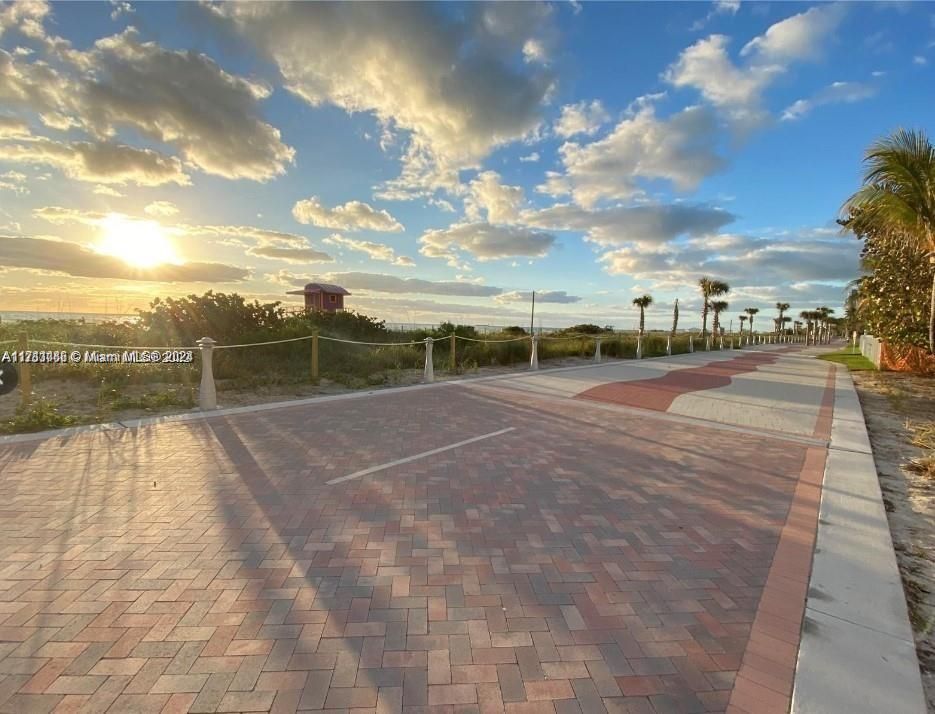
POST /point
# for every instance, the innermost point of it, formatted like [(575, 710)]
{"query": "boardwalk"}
[(629, 537)]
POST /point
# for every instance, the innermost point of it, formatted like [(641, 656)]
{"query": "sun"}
[(142, 244)]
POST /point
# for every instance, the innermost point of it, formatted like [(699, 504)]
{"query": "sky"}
[(442, 161)]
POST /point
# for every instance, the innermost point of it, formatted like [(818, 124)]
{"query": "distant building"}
[(322, 297)]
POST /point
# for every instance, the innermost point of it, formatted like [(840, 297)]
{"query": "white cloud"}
[(543, 296), (680, 149), (14, 181), (529, 158), (581, 118), (381, 283), (107, 191), (721, 7), (489, 199), (920, 60), (649, 224), (102, 162), (161, 209), (484, 242), (289, 254), (376, 251), (450, 81), (12, 127), (835, 93), (352, 216), (800, 37)]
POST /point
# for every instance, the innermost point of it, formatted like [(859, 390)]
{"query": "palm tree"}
[(642, 303), (709, 288), (824, 313), (675, 318), (742, 319), (751, 311), (782, 307), (717, 307), (897, 199), (808, 316)]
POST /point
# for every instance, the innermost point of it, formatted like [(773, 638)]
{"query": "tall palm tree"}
[(781, 307), (824, 313), (808, 316), (710, 288), (742, 318), (897, 199), (717, 307), (751, 311), (675, 318), (642, 303)]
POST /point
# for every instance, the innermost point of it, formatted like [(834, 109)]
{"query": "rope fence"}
[(618, 344)]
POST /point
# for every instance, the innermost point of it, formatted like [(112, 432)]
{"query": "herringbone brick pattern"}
[(585, 562)]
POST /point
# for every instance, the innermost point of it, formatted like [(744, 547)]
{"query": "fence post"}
[(315, 372), (732, 343), (691, 343), (25, 375), (639, 347), (721, 342), (534, 355), (207, 394), (597, 349), (669, 346), (454, 356), (707, 344), (429, 365)]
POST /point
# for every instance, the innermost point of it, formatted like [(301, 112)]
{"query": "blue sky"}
[(442, 161)]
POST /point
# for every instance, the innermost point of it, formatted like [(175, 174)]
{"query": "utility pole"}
[(532, 317)]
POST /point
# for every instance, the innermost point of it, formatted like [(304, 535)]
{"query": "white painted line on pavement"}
[(416, 457)]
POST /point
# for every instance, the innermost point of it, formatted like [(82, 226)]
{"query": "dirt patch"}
[(893, 403)]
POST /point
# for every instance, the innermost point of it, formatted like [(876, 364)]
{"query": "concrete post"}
[(429, 376), (454, 355), (707, 344), (669, 345), (534, 355), (597, 349), (639, 347), (691, 343), (207, 394), (25, 375)]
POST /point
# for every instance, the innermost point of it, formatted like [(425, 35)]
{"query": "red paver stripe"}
[(658, 393)]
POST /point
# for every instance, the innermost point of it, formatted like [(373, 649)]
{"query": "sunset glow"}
[(142, 244)]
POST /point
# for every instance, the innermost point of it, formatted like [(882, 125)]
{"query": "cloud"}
[(581, 118), (484, 242), (680, 149), (534, 156), (352, 216), (489, 199), (721, 7), (180, 98), (737, 89), (450, 81), (14, 181), (644, 224), (73, 259), (920, 60), (376, 251), (107, 191), (835, 93), (12, 127), (289, 254), (161, 209), (800, 37), (380, 283), (104, 162), (543, 296)]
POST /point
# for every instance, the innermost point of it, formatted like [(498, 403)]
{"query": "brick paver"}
[(589, 560)]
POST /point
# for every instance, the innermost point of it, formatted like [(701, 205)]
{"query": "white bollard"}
[(707, 344), (207, 394), (639, 347), (597, 349), (721, 344), (669, 345), (429, 365), (691, 343), (534, 357)]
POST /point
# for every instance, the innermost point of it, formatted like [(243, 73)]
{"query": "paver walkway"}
[(582, 553)]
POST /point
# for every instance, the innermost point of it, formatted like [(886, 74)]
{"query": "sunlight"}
[(143, 244)]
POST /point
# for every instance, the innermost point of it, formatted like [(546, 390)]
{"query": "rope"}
[(372, 344), (9, 342), (471, 339), (261, 344)]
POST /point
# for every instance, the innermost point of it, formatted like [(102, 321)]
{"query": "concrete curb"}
[(856, 654)]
